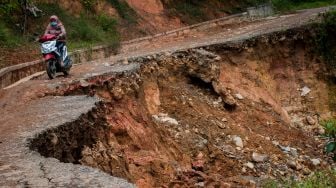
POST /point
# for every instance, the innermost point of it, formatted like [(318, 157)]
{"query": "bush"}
[(326, 39), (85, 30), (330, 132), (7, 39), (192, 10), (88, 4), (124, 10), (80, 30), (282, 5), (286, 5), (107, 23), (325, 179)]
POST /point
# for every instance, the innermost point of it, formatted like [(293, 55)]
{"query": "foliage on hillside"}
[(287, 5), (193, 11), (81, 31), (325, 179), (326, 39), (90, 28), (7, 38), (124, 10)]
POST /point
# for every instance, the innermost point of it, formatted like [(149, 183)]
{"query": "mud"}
[(174, 121)]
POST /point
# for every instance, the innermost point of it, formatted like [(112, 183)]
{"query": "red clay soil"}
[(17, 55)]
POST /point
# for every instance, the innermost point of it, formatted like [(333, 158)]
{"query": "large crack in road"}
[(205, 116)]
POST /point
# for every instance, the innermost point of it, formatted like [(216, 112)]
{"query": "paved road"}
[(26, 111)]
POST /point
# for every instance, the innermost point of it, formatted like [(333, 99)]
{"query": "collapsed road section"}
[(222, 115)]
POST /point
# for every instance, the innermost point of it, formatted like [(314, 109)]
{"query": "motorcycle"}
[(52, 55)]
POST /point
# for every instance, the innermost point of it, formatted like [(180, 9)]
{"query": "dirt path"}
[(27, 110)]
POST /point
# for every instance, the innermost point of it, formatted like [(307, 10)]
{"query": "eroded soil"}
[(217, 117)]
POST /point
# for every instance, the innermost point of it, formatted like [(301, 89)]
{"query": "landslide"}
[(223, 115)]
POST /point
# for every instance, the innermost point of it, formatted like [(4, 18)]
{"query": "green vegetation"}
[(326, 39), (290, 5), (7, 38), (84, 31), (124, 10), (325, 179), (8, 7), (88, 4), (330, 132), (332, 95), (106, 23), (324, 43), (192, 11)]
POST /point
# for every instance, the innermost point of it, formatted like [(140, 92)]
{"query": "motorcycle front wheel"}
[(51, 68)]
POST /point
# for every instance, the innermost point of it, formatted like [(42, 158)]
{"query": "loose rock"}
[(163, 118), (315, 162), (198, 164), (83, 83), (199, 184), (276, 143), (238, 141), (229, 100), (221, 125), (321, 130), (125, 62), (310, 120), (239, 96), (249, 165), (306, 171), (292, 164), (259, 157), (305, 90)]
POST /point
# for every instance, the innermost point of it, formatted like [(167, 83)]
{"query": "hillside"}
[(88, 23), (235, 107), (93, 22)]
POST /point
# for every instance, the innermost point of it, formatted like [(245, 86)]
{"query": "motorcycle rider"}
[(56, 27)]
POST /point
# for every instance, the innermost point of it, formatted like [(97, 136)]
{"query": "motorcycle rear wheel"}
[(51, 68)]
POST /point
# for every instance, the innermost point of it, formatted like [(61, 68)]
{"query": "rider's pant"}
[(59, 46)]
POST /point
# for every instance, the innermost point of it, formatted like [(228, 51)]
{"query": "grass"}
[(85, 29), (82, 32), (7, 37), (324, 179)]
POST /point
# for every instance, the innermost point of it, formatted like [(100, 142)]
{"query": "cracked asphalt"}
[(27, 110)]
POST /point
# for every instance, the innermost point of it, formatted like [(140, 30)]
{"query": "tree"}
[(23, 8)]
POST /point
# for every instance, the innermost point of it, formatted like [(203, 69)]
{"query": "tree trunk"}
[(24, 9)]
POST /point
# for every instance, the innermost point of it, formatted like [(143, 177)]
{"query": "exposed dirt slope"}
[(217, 117), (219, 114)]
